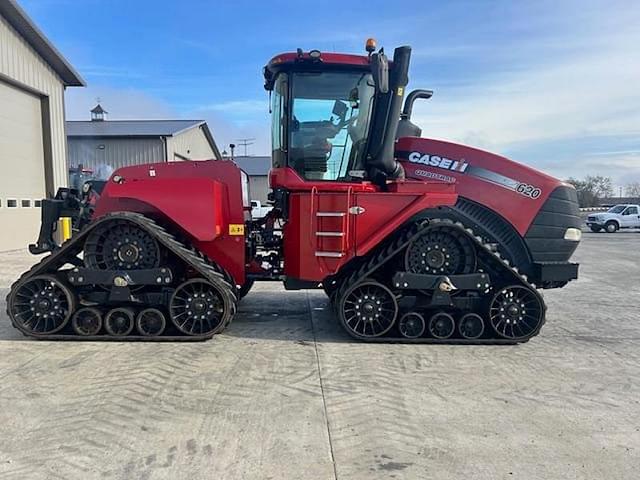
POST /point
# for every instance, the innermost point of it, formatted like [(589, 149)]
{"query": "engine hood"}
[(515, 191)]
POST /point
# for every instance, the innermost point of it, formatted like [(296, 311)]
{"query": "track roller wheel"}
[(471, 326), (441, 325), (121, 245), (198, 307), (411, 325), (87, 321), (42, 305), (367, 309), (441, 251), (516, 312), (150, 322), (119, 322)]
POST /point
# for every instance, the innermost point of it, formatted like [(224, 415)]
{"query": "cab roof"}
[(289, 60), (325, 58)]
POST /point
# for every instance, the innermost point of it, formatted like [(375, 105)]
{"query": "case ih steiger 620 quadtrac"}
[(412, 239)]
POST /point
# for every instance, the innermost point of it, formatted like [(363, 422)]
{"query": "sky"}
[(552, 84)]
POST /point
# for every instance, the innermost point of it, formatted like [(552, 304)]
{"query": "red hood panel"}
[(513, 190)]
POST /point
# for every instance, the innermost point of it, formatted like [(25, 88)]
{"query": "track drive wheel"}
[(367, 309), (42, 305), (516, 312), (441, 251), (121, 245), (199, 307)]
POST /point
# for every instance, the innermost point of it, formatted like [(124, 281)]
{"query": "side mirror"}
[(380, 71)]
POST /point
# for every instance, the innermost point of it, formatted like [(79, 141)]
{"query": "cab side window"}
[(631, 211), (278, 110)]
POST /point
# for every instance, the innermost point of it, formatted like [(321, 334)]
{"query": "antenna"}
[(245, 142)]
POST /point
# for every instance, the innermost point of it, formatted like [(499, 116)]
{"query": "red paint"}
[(384, 212), (517, 209), (201, 198), (327, 58)]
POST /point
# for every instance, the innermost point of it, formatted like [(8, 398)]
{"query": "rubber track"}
[(400, 242), (195, 259)]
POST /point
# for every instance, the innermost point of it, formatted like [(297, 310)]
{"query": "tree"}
[(632, 189), (592, 189), (602, 186)]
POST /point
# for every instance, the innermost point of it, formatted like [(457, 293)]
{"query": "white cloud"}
[(587, 92)]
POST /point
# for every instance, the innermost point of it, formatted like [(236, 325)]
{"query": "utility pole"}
[(245, 142)]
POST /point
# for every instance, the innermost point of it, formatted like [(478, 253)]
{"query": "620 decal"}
[(528, 190)]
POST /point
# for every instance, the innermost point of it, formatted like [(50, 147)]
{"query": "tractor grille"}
[(545, 237)]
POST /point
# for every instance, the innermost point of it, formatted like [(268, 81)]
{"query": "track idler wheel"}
[(150, 322), (87, 321), (42, 305), (198, 307), (516, 312), (441, 325), (367, 309), (471, 326), (412, 325), (121, 245), (119, 322)]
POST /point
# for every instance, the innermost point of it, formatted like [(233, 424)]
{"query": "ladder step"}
[(330, 214), (330, 254), (330, 234)]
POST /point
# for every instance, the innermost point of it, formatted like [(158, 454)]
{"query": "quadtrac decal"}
[(463, 167)]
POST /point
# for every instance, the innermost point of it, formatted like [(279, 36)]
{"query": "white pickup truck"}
[(257, 210), (620, 216)]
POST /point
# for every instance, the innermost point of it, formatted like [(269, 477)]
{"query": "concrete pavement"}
[(284, 394)]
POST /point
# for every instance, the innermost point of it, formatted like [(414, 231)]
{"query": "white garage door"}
[(22, 177)]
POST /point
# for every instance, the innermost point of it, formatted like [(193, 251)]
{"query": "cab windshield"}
[(328, 122)]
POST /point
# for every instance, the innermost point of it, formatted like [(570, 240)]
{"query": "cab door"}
[(630, 217)]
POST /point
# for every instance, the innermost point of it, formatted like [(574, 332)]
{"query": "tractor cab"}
[(321, 115), (334, 116), (334, 178)]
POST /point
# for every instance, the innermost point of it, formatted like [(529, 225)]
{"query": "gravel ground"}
[(284, 394)]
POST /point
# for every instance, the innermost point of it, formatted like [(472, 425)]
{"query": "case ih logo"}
[(437, 161)]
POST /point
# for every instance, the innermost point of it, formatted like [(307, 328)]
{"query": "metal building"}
[(96, 144), (33, 77), (258, 170)]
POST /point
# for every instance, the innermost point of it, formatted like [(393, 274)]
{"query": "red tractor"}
[(413, 240)]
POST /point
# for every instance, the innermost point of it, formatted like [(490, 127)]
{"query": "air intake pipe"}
[(382, 159)]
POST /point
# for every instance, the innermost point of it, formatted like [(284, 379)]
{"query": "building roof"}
[(21, 22), (98, 109), (130, 128), (254, 165), (138, 128)]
